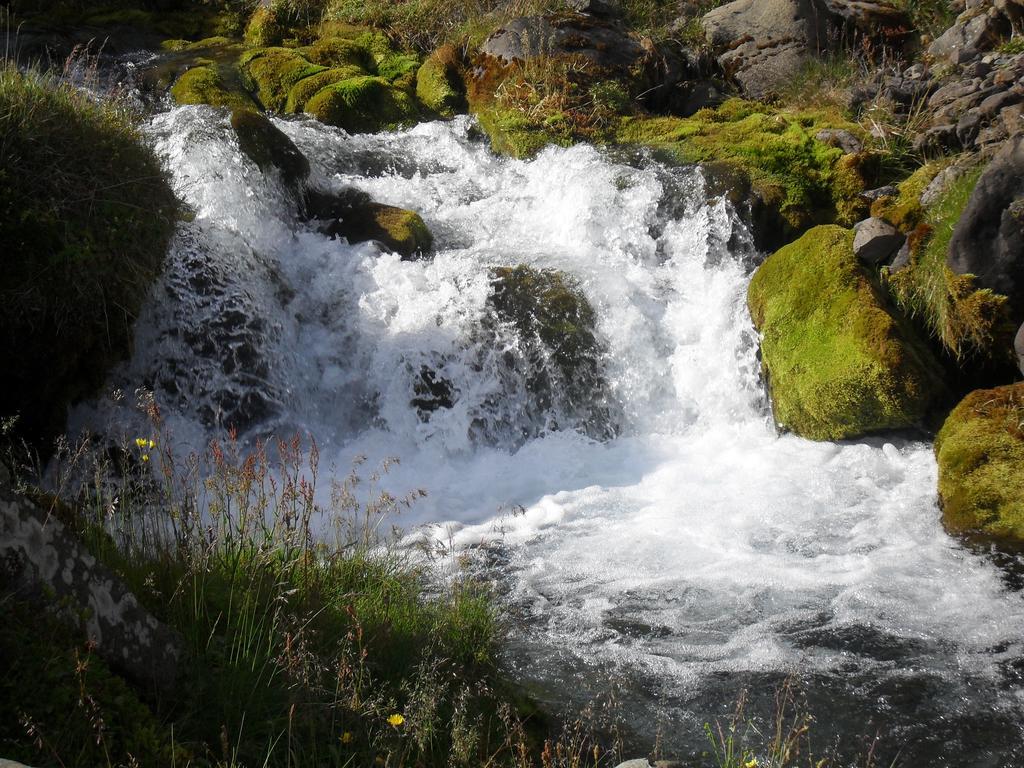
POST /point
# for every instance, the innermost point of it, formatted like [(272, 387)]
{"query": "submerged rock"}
[(980, 452), (839, 364)]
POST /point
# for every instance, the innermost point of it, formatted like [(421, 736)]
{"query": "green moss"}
[(84, 235), (207, 85), (339, 52), (307, 88), (438, 84), (399, 69), (904, 210), (969, 323), (271, 73), (363, 105), (512, 134), (401, 230), (980, 452), (265, 28), (839, 364), (811, 181)]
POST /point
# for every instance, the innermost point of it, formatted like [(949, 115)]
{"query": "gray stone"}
[(47, 559), (875, 241), (967, 128), (605, 45), (889, 190), (595, 7), (937, 140), (937, 186), (643, 762), (988, 240), (844, 140), (902, 260), (972, 32), (11, 764), (1018, 348)]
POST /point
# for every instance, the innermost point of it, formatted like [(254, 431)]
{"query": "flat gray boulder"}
[(1018, 348)]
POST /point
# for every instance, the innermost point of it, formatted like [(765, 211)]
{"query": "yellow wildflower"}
[(346, 737), (396, 720), (140, 442), (751, 763), (145, 457), (152, 445)]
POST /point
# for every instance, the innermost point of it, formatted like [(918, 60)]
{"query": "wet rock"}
[(839, 364), (875, 241), (357, 218), (432, 392), (269, 147), (49, 560), (980, 452), (988, 240)]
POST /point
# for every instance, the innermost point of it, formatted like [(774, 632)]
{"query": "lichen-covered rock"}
[(980, 452), (363, 104), (438, 84), (264, 28), (50, 560), (269, 147), (207, 85), (839, 364)]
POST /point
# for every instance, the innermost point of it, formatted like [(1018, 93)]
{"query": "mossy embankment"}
[(84, 234)]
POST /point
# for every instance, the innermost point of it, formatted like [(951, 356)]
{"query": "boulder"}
[(974, 31), (763, 44), (439, 84), (48, 560), (842, 139), (839, 364), (988, 240), (1018, 347), (980, 452), (209, 85), (876, 241), (605, 45), (269, 147)]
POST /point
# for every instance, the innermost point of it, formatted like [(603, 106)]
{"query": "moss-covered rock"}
[(208, 85), (270, 73), (268, 146), (88, 216), (438, 84), (265, 28), (808, 180), (340, 52), (838, 362), (308, 87), (363, 104), (980, 451)]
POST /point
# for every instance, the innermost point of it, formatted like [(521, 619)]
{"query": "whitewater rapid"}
[(695, 552)]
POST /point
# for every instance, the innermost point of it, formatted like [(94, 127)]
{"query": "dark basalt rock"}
[(1018, 347), (353, 215), (988, 240)]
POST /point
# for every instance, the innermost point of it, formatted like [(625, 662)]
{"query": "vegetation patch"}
[(439, 84), (970, 324), (363, 104), (84, 235), (209, 85), (808, 181), (980, 452), (838, 362)]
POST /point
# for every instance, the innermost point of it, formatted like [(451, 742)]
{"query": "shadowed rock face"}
[(989, 237), (43, 557)]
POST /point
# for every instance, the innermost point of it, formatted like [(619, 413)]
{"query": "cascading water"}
[(672, 542)]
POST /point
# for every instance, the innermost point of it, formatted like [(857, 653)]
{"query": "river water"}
[(678, 551)]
